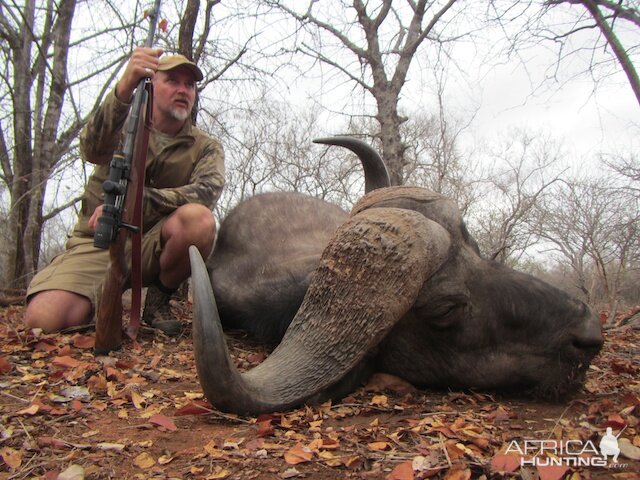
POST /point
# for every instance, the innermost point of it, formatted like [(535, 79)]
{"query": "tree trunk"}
[(393, 148), (45, 157), (385, 86), (187, 27), (22, 128)]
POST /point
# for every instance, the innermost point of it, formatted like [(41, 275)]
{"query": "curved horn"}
[(375, 171), (369, 277)]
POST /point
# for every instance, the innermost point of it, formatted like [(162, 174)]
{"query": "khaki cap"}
[(169, 62)]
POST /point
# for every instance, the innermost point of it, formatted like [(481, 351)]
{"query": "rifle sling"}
[(136, 237)]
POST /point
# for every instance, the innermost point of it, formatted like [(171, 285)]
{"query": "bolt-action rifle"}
[(122, 214)]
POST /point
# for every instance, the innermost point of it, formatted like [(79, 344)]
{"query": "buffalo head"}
[(398, 287)]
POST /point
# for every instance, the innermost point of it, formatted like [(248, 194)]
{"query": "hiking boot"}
[(157, 312)]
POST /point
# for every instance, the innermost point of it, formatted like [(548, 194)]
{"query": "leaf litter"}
[(139, 413)]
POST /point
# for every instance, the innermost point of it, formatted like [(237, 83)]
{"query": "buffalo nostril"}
[(589, 336)]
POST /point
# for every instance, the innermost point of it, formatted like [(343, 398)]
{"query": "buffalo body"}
[(397, 286)]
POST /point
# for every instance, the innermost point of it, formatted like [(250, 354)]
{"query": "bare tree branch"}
[(616, 46), (61, 208)]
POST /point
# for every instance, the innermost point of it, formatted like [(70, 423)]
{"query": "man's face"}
[(174, 93)]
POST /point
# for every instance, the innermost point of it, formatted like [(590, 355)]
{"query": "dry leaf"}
[(265, 428), (194, 395), (198, 407), (505, 463), (528, 473), (615, 421), (111, 373), (117, 447), (97, 383), (330, 459), (13, 458), (52, 442), (66, 361), (170, 374), (552, 472), (628, 450), (152, 410), (353, 463), (402, 471), (379, 446), (298, 454), (84, 341), (232, 444), (74, 472), (380, 400), (315, 426), (99, 405), (223, 473), (5, 366), (77, 392), (42, 346), (421, 463), (329, 444), (212, 449), (163, 421), (32, 377), (144, 461), (6, 432), (137, 399), (290, 473), (458, 474), (65, 351), (315, 445), (256, 358), (30, 410), (144, 444)]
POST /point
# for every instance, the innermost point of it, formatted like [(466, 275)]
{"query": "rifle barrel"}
[(115, 187)]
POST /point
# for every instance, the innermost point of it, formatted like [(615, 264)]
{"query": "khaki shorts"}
[(81, 267)]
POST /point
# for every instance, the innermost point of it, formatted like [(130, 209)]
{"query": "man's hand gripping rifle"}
[(122, 213)]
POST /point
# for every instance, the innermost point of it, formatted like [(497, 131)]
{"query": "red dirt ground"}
[(138, 414)]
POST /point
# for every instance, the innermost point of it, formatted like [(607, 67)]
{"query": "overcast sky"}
[(586, 120), (570, 108)]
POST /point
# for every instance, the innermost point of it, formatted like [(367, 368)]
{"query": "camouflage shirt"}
[(187, 168)]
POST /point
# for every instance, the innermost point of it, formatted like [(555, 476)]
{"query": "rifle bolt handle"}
[(131, 228), (109, 186)]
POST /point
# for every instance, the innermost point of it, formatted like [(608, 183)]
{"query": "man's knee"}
[(196, 214), (54, 310), (193, 222)]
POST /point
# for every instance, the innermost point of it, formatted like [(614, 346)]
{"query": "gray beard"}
[(180, 115)]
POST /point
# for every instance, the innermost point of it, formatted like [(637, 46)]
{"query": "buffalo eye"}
[(444, 312)]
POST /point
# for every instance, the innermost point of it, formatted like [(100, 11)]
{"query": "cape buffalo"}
[(398, 286)]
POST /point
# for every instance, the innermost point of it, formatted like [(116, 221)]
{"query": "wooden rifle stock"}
[(109, 313), (122, 211)]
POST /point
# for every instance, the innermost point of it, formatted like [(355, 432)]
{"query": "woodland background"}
[(278, 74)]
